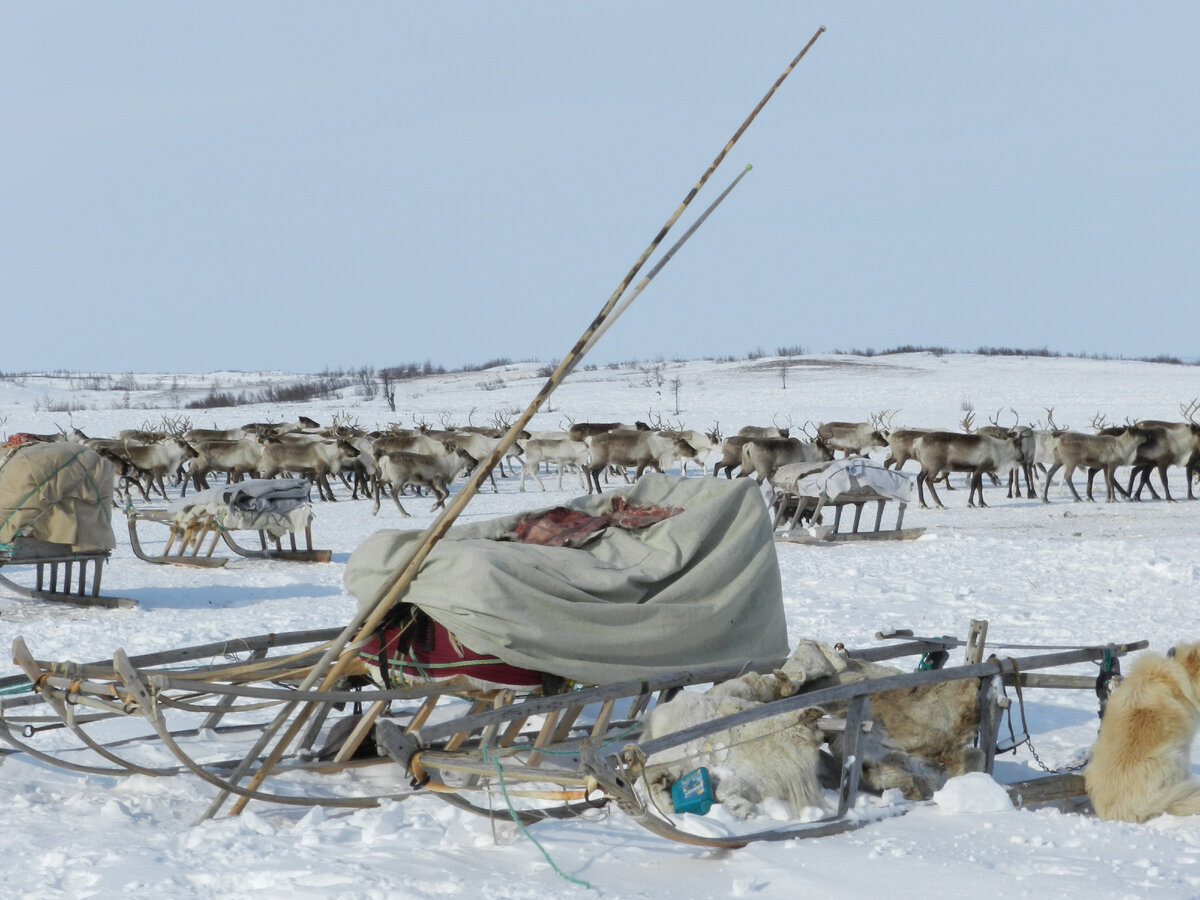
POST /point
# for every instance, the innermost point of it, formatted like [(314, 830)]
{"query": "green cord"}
[(525, 831)]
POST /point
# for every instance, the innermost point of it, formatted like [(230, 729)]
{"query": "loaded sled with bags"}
[(628, 650)]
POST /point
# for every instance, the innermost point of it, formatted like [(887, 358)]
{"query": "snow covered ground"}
[(1057, 573)]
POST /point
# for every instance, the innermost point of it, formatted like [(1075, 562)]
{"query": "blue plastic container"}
[(692, 793)]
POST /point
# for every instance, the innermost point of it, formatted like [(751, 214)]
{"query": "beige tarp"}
[(699, 588), (57, 492)]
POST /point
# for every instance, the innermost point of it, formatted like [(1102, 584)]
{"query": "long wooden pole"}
[(364, 623), (368, 719), (656, 268)]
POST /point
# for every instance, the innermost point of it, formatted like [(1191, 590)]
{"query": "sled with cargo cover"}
[(802, 492), (525, 673), (56, 523), (276, 509)]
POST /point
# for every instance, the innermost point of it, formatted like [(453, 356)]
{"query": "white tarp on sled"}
[(854, 476)]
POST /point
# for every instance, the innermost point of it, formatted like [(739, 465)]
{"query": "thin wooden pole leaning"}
[(334, 661), (655, 269)]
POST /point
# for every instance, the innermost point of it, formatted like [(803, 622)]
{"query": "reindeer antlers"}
[(882, 420), (1050, 423), (655, 420), (995, 420)]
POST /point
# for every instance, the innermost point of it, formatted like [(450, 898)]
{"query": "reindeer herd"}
[(397, 460), (1033, 453)]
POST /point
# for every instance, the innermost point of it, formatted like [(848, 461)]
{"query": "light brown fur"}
[(920, 736), (1140, 765)]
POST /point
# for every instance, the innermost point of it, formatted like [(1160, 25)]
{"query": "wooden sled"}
[(793, 509), (801, 495), (60, 574), (611, 767), (193, 542), (501, 754)]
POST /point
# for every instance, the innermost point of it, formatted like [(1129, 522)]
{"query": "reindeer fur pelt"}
[(919, 737)]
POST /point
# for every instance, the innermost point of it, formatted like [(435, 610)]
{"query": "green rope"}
[(525, 831), (88, 476)]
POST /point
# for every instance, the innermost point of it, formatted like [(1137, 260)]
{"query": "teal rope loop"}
[(525, 831)]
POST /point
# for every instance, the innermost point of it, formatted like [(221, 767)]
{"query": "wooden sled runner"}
[(504, 753), (274, 508)]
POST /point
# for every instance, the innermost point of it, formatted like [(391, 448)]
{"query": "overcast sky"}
[(303, 186)]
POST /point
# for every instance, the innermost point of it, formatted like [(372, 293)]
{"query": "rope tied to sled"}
[(512, 812)]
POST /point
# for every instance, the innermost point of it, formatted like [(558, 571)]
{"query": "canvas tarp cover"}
[(699, 588), (58, 492)]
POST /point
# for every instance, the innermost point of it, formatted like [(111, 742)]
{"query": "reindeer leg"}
[(1119, 489), (1030, 485), (1068, 471), (1162, 474), (1049, 477), (1110, 483), (932, 491), (977, 488)]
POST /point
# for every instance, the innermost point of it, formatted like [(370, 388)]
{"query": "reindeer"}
[(1024, 434), (398, 468), (766, 431), (701, 442), (313, 456), (1181, 447), (581, 431), (480, 446), (151, 463), (562, 451), (900, 445), (765, 455), (942, 452), (854, 438), (642, 449), (731, 454), (236, 458), (1099, 451)]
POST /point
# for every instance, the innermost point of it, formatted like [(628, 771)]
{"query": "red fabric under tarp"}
[(434, 655)]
